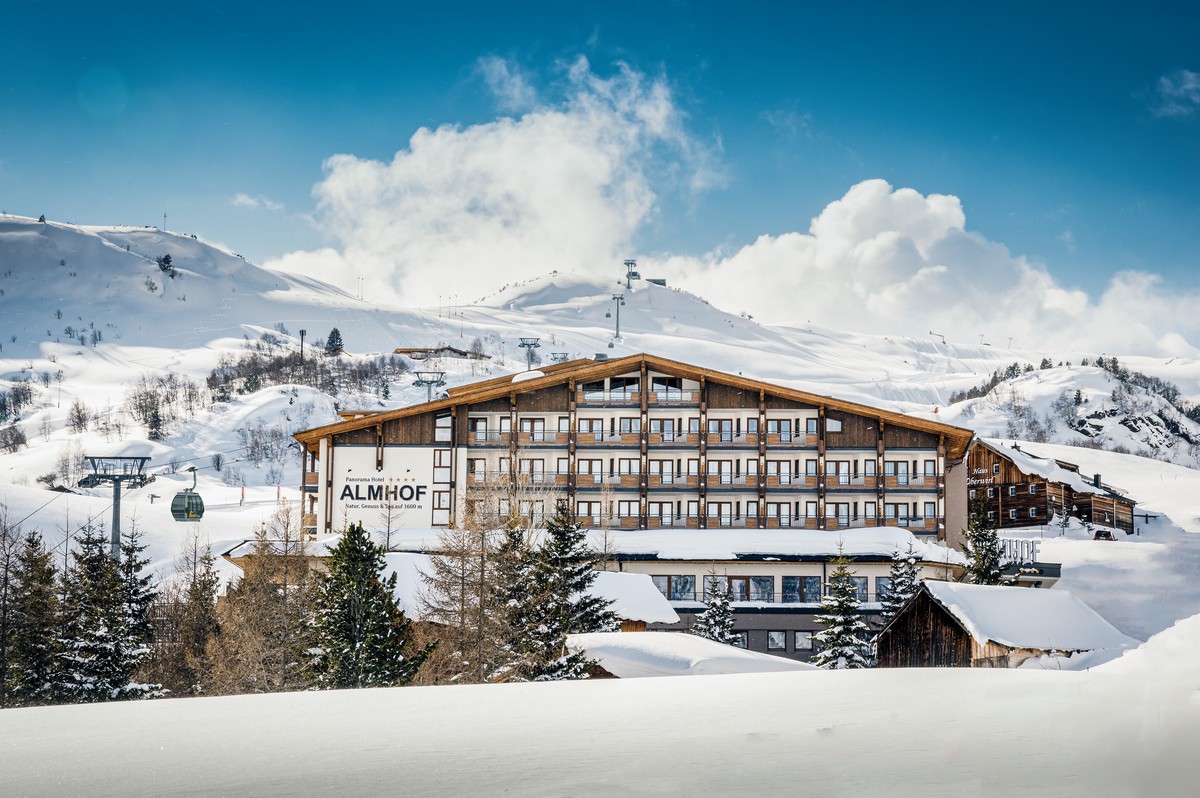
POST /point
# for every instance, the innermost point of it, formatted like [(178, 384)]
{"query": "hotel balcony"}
[(732, 439), (684, 439), (505, 478), (539, 438), (673, 397), (926, 482), (792, 522), (608, 439), (482, 438), (845, 481), (311, 480), (586, 481), (732, 480), (607, 521), (795, 440), (674, 481), (617, 397), (791, 481), (672, 522)]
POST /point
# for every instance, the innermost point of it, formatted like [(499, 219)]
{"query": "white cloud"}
[(564, 186), (569, 184), (1067, 238), (893, 261), (508, 84), (258, 201), (1178, 93)]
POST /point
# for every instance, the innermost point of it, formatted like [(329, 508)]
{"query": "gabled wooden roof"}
[(584, 370)]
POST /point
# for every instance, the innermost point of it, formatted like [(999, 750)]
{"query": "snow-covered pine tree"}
[(841, 643), (91, 667), (981, 545), (904, 584), (1064, 522), (136, 595), (333, 344), (514, 597), (359, 629), (715, 621), (33, 655), (560, 579)]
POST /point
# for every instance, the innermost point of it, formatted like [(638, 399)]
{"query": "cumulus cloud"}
[(1178, 93), (508, 84), (258, 201), (565, 186), (894, 261)]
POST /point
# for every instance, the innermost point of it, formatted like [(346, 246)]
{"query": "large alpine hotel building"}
[(692, 471)]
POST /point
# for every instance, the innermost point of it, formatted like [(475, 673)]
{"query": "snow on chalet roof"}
[(629, 655), (1022, 617), (1045, 467), (634, 596)]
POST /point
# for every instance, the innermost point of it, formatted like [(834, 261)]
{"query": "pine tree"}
[(562, 575), (715, 622), (91, 666), (33, 655), (333, 344), (841, 643), (905, 583), (982, 547), (361, 632), (514, 598), (136, 594)]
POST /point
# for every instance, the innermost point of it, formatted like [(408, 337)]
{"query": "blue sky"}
[(1070, 135)]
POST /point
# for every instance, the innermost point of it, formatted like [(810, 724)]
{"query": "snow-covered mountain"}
[(90, 316)]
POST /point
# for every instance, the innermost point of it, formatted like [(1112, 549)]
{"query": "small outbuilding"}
[(957, 625), (629, 656)]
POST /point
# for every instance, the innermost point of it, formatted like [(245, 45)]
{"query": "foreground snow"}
[(1128, 728)]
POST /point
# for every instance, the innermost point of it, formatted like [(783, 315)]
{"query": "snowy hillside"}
[(92, 322)]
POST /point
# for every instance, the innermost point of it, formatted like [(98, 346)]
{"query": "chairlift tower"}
[(431, 380), (559, 357), (117, 470), (530, 344), (631, 273), (618, 301)]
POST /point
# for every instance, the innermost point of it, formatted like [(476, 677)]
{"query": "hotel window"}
[(740, 640), (810, 467), (797, 589), (860, 587), (931, 468), (441, 429), (972, 493), (991, 493), (810, 426), (883, 586), (762, 588), (1012, 514), (441, 465), (1033, 512), (833, 425), (776, 641), (804, 641), (868, 468), (564, 424), (1032, 489), (1012, 490), (995, 468), (676, 588), (630, 425), (991, 515)]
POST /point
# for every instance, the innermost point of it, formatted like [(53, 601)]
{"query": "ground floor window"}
[(676, 588), (883, 586), (776, 641), (741, 640), (804, 641), (797, 589)]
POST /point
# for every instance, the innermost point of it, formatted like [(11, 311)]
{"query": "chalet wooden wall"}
[(554, 399), (857, 431), (729, 397), (897, 437), (924, 635), (779, 403)]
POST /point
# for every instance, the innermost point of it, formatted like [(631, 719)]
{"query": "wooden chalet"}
[(957, 625), (1022, 489)]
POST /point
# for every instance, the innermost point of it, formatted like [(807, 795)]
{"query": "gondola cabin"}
[(187, 506)]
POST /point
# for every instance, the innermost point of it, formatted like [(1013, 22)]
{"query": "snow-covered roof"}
[(1045, 467), (629, 655), (1022, 617), (634, 596), (728, 544), (765, 544)]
